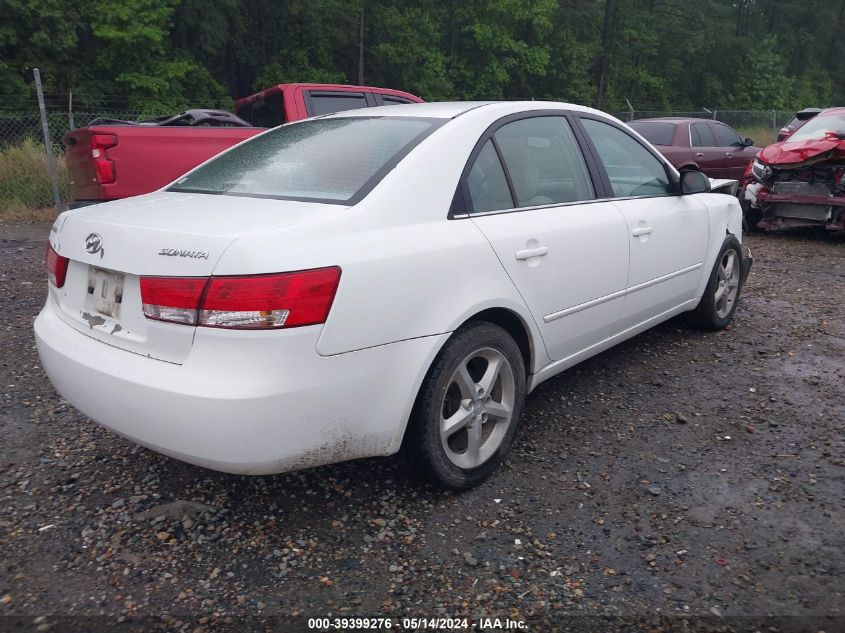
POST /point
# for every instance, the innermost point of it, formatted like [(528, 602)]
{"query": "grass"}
[(26, 194), (762, 136)]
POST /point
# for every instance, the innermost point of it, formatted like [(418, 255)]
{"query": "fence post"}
[(48, 145), (70, 120), (630, 110), (774, 122)]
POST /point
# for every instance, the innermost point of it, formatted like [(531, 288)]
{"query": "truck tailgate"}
[(140, 159)]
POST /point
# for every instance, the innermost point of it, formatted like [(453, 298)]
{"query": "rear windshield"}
[(335, 160), (655, 133), (818, 127)]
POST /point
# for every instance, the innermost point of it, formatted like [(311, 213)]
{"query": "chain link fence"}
[(24, 178), (25, 182)]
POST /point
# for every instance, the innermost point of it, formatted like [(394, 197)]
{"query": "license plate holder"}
[(104, 292)]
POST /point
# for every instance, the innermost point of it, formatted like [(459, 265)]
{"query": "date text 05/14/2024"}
[(416, 624)]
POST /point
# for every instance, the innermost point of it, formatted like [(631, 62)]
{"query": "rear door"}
[(529, 190), (709, 156), (667, 234)]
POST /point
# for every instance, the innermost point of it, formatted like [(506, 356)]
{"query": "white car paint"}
[(269, 401)]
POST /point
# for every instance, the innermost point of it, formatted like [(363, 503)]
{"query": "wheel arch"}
[(515, 324)]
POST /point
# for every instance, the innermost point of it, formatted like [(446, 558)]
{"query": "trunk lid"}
[(112, 245)]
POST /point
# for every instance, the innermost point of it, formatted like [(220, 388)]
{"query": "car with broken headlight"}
[(800, 181), (801, 117), (381, 281)]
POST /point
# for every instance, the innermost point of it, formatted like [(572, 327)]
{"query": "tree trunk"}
[(361, 47), (606, 45)]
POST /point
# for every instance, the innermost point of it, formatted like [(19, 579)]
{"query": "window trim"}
[(461, 207), (380, 96), (707, 127), (308, 96), (608, 186)]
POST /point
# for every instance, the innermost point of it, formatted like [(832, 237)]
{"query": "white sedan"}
[(395, 279)]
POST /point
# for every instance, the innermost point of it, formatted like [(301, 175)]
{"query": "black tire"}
[(706, 316), (422, 448)]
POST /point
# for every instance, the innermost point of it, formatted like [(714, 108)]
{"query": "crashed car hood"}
[(794, 153)]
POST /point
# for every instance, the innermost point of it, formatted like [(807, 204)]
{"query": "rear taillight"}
[(174, 299), (251, 302), (103, 165), (56, 267)]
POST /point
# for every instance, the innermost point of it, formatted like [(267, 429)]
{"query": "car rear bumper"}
[(243, 402)]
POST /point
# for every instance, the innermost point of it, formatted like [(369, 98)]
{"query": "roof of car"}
[(452, 109), (670, 119), (832, 111)]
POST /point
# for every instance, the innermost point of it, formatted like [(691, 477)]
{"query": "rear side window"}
[(727, 136), (266, 112), (320, 103), (656, 133), (337, 160), (544, 161), (487, 183), (702, 136), (631, 168)]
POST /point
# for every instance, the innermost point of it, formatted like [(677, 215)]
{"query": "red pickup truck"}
[(109, 161)]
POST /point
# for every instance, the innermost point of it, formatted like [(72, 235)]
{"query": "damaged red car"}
[(800, 181)]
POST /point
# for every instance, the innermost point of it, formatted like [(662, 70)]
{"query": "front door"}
[(667, 233), (737, 154)]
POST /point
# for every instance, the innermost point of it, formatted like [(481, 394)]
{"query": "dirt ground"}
[(685, 480)]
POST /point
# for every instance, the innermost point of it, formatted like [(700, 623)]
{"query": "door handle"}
[(528, 253), (642, 230), (729, 155), (700, 154)]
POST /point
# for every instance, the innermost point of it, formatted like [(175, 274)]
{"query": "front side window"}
[(631, 168), (544, 161), (330, 102), (487, 183), (320, 160), (727, 136), (391, 100)]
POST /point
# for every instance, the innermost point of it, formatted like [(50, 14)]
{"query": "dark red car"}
[(708, 146)]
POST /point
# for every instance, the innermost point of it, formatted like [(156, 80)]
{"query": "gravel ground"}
[(679, 474)]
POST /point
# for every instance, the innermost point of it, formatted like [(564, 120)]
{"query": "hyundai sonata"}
[(395, 279)]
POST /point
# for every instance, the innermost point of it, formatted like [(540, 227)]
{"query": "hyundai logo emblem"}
[(94, 244)]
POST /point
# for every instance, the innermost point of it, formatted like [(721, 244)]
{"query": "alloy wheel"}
[(727, 283), (477, 408)]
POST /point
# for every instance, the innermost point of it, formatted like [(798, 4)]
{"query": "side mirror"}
[(693, 181), (748, 142)]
